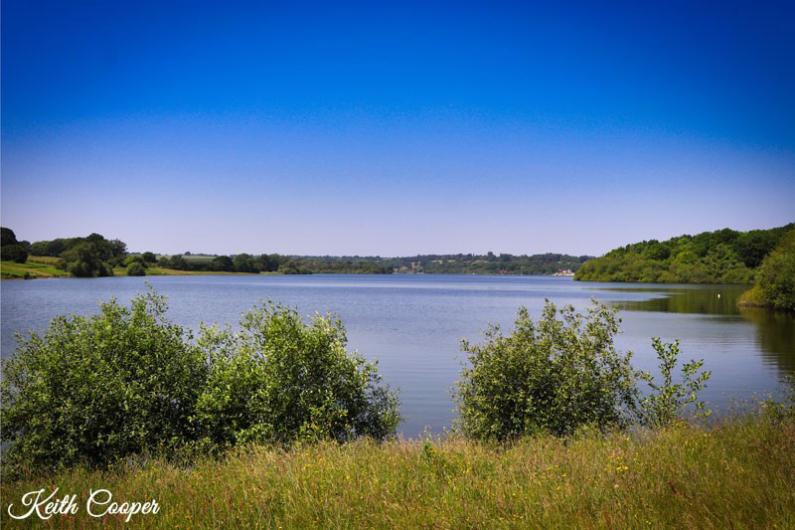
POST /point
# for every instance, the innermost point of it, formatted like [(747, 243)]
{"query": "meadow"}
[(738, 473)]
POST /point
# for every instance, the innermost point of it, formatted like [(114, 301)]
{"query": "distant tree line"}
[(430, 263), (722, 256), (95, 255)]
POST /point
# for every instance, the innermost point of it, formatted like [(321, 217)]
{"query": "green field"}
[(35, 267), (44, 267), (739, 474)]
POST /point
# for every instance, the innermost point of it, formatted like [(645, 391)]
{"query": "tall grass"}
[(736, 474)]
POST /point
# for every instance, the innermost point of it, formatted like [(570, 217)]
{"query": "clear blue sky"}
[(301, 128)]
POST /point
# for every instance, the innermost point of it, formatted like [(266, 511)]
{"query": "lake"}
[(412, 324)]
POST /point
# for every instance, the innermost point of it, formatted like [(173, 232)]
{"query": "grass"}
[(35, 267), (44, 267), (737, 474)]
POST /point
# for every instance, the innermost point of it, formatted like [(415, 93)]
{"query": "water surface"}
[(412, 324)]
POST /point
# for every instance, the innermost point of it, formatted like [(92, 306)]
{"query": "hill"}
[(722, 256)]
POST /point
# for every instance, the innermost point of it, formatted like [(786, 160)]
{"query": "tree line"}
[(95, 255), (722, 256)]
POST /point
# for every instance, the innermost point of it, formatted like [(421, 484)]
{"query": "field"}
[(44, 267), (35, 267), (737, 474)]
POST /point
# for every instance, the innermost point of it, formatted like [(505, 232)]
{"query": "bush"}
[(555, 376), (281, 380), (776, 276), (94, 389), (668, 400), (14, 252), (136, 268)]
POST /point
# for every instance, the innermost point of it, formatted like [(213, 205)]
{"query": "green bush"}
[(555, 375), (94, 389), (136, 268), (668, 399), (15, 252), (776, 276), (281, 380), (127, 381)]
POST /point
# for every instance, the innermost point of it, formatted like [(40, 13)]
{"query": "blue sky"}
[(371, 129)]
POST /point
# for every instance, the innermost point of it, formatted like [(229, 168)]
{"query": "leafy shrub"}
[(555, 375), (281, 380), (776, 276), (93, 389), (136, 268), (15, 252), (668, 400)]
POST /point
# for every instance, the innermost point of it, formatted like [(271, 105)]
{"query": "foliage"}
[(738, 474), (723, 256), (85, 260), (149, 257), (136, 268), (555, 375), (668, 399), (94, 389), (11, 249), (87, 257), (776, 278), (127, 381), (281, 380)]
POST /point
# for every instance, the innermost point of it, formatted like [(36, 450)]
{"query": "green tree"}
[(136, 268), (776, 276), (222, 263), (94, 389), (554, 375), (149, 257), (280, 380)]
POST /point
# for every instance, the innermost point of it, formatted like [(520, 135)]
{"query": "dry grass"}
[(740, 474)]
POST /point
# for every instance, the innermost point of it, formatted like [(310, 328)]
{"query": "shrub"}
[(555, 375), (668, 400), (93, 389), (281, 380), (15, 252), (136, 268), (776, 276)]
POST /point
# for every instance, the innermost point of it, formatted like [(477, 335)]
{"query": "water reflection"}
[(775, 332)]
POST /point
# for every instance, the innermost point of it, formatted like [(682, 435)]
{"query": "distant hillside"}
[(723, 256)]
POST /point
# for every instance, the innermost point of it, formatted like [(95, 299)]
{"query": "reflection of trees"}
[(776, 335), (775, 331), (717, 300)]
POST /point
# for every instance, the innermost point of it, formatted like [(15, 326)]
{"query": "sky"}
[(378, 129)]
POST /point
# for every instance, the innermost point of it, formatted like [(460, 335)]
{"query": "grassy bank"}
[(34, 267), (740, 474), (44, 267)]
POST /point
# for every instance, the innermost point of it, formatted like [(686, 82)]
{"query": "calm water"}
[(413, 324)]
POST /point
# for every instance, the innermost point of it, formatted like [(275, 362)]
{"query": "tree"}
[(554, 376), (85, 260), (222, 263), (7, 237), (776, 276), (136, 268), (280, 380), (149, 257), (245, 263), (95, 389)]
